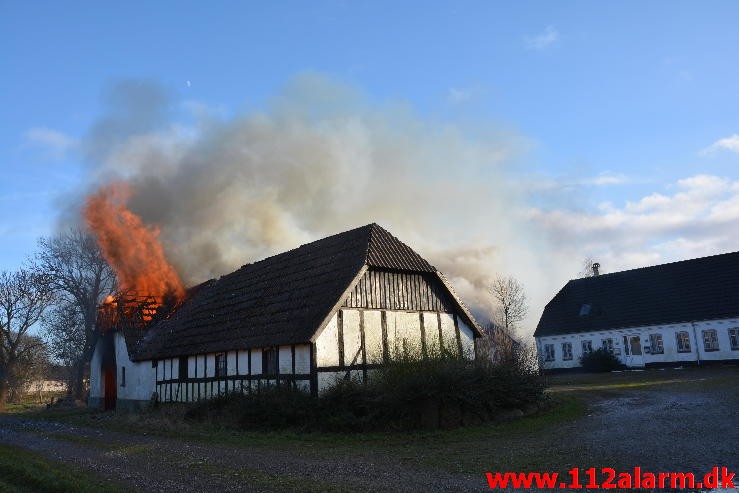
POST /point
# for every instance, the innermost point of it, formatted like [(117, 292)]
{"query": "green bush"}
[(600, 360), (410, 391)]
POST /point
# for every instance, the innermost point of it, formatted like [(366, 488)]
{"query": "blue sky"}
[(621, 112)]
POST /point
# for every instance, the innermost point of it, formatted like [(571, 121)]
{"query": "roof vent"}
[(596, 269)]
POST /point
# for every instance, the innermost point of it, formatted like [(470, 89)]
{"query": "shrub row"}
[(409, 392), (600, 360)]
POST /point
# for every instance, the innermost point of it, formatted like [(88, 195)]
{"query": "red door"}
[(109, 379)]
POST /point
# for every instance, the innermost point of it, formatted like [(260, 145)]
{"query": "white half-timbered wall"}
[(355, 341), (698, 351), (134, 380), (244, 372)]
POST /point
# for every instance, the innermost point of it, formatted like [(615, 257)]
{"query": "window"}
[(655, 343), (585, 310), (566, 350), (183, 367), (548, 352), (123, 376), (607, 344), (683, 342), (221, 365), (627, 348), (710, 340), (587, 347), (734, 338), (269, 361)]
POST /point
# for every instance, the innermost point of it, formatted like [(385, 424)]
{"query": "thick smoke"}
[(227, 190)]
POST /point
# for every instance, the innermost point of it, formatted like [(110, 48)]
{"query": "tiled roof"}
[(279, 300), (699, 289)]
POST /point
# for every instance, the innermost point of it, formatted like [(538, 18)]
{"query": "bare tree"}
[(82, 278), (24, 296), (64, 327), (511, 305), (586, 269), (32, 369)]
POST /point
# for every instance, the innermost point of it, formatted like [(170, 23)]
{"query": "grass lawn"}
[(23, 471), (542, 442), (457, 450)]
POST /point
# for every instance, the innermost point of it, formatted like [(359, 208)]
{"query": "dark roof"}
[(279, 300), (699, 289)]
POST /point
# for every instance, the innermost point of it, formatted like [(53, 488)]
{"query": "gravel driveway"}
[(688, 427), (146, 463)]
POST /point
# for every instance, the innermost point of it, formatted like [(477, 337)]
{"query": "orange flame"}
[(131, 248)]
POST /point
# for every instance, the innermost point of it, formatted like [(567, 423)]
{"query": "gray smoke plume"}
[(227, 190)]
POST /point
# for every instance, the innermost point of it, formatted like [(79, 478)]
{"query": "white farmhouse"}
[(681, 313), (334, 308)]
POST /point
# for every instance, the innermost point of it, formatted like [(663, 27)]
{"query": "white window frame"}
[(656, 344), (587, 347), (607, 344), (221, 365), (549, 354), (682, 339), (710, 340), (566, 351), (734, 338)]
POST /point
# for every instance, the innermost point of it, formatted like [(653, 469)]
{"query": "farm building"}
[(334, 308), (678, 313)]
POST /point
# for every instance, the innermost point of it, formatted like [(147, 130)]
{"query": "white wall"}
[(327, 346), (302, 359), (286, 360), (96, 377), (373, 335), (139, 376), (467, 337), (203, 366), (403, 331), (669, 342)]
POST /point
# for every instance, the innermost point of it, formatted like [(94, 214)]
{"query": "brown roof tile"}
[(279, 300)]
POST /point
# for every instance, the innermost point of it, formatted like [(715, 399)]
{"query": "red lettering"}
[(649, 480)]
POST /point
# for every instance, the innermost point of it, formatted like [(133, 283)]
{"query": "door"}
[(109, 387), (633, 351)]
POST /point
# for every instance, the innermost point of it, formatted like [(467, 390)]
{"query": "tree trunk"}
[(78, 384), (4, 390)]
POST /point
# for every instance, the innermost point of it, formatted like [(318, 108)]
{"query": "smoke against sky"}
[(320, 159)]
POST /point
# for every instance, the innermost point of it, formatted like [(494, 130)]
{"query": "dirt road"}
[(687, 421)]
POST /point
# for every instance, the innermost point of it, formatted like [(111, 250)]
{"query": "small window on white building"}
[(683, 342), (655, 343), (548, 352), (566, 350), (269, 361), (710, 340), (587, 347), (607, 344), (123, 376), (221, 365), (182, 367), (734, 338)]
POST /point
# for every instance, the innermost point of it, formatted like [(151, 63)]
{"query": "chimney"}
[(596, 266)]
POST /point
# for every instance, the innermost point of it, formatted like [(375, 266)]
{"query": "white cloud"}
[(605, 178), (699, 215), (457, 96), (600, 180), (540, 41), (730, 143), (53, 142)]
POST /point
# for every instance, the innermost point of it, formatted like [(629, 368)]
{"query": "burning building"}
[(334, 308)]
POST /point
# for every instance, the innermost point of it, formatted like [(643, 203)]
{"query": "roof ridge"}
[(646, 267)]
